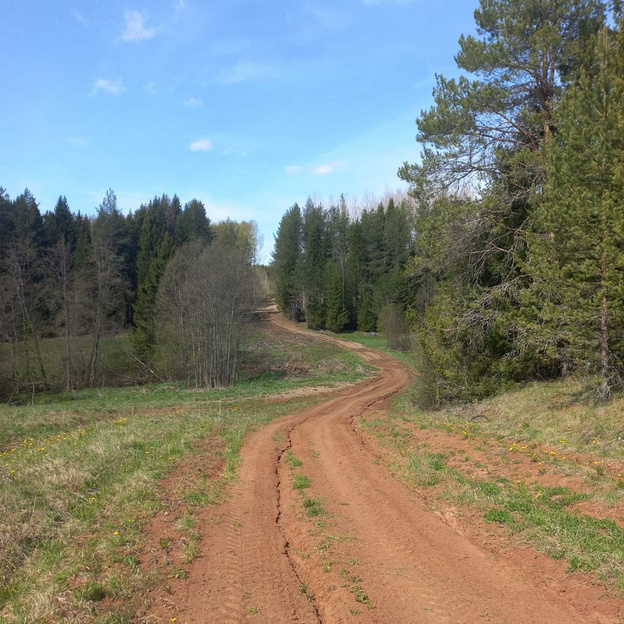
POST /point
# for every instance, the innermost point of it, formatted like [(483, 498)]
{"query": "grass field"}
[(81, 475)]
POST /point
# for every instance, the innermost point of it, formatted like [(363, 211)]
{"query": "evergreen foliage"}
[(287, 263), (482, 309), (80, 280), (576, 251), (339, 271)]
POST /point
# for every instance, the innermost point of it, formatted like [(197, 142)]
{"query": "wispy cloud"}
[(108, 86), (201, 145), (230, 151), (80, 18), (246, 72), (135, 27), (328, 168), (193, 103), (150, 87), (79, 143), (317, 170), (180, 5)]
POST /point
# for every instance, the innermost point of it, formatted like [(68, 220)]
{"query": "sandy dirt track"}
[(375, 554)]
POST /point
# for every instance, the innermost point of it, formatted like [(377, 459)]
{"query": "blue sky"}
[(247, 106)]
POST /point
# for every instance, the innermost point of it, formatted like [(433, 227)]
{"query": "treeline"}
[(516, 268), (73, 281), (339, 271)]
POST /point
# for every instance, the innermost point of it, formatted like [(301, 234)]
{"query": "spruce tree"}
[(315, 254), (287, 263), (338, 315), (155, 249)]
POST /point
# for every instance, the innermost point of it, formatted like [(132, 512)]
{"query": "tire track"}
[(376, 556)]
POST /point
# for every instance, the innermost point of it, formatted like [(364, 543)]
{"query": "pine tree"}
[(315, 252), (483, 158), (193, 223), (155, 249), (287, 263), (577, 252), (367, 319), (22, 268), (338, 315)]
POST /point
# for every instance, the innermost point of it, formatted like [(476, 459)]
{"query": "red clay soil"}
[(372, 553)]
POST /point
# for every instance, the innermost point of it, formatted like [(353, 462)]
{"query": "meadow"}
[(81, 476)]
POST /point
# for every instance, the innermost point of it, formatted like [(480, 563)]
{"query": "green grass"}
[(291, 459), (80, 474), (301, 482), (411, 359), (543, 517), (313, 507), (534, 514)]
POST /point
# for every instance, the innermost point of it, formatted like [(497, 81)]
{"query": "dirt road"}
[(351, 544)]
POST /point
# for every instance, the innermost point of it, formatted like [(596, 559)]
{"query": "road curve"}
[(373, 554)]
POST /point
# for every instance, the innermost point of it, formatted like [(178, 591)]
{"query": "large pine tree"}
[(577, 252)]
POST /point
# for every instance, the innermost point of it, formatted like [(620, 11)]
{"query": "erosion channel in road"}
[(316, 529)]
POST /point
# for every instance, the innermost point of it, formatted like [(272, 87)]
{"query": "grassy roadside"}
[(81, 477), (540, 465)]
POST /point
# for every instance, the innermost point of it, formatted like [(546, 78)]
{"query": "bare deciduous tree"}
[(203, 306)]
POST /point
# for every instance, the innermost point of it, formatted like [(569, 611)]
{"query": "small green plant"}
[(164, 543), (178, 573), (352, 583), (313, 507), (196, 498), (186, 522), (304, 588), (91, 591), (292, 460), (498, 515), (301, 482), (190, 550)]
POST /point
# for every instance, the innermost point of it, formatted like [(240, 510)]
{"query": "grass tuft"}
[(301, 482)]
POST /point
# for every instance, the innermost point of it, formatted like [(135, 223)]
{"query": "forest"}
[(506, 261), (115, 300), (502, 264)]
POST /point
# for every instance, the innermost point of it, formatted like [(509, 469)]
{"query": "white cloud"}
[(201, 145), (317, 170), (150, 87), (292, 169), (108, 86), (193, 103), (135, 27), (328, 168), (180, 5)]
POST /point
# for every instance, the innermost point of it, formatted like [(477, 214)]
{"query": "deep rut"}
[(373, 553)]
